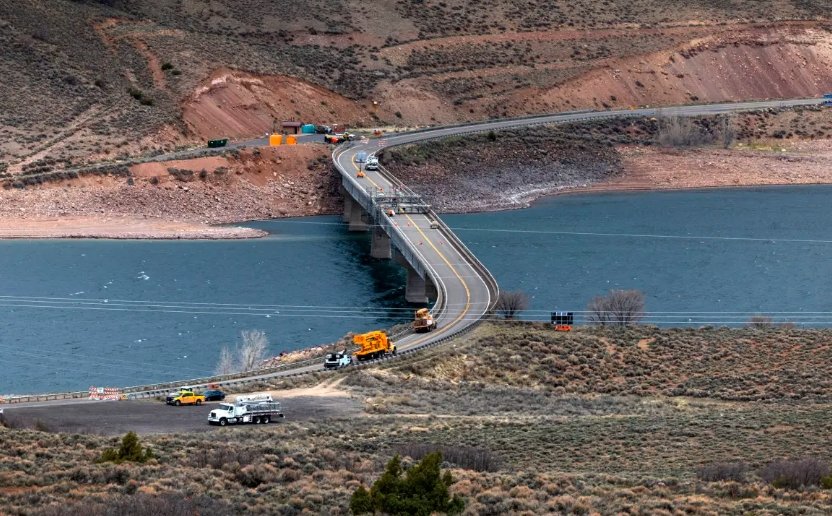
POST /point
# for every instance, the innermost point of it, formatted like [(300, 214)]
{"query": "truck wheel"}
[(177, 403), (256, 420), (223, 422), (266, 419), (198, 402)]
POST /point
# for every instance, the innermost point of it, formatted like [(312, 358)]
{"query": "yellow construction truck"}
[(424, 321), (372, 345)]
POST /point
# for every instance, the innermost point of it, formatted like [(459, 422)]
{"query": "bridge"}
[(438, 264), (440, 268)]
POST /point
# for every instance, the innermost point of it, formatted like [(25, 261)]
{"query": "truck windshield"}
[(224, 406)]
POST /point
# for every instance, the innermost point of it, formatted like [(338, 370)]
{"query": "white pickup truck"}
[(246, 409), (371, 163), (337, 360)]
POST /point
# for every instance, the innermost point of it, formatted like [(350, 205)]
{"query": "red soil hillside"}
[(241, 105), (751, 65), (675, 65)]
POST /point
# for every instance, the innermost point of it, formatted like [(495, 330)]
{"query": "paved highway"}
[(464, 287)]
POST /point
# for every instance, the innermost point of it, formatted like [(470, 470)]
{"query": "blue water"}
[(755, 250), (61, 344), (750, 250)]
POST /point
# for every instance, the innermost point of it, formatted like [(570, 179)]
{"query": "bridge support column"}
[(430, 289), (348, 202), (380, 246), (356, 221), (416, 287), (415, 291)]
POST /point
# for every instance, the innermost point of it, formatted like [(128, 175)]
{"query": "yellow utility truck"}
[(373, 344), (424, 321)]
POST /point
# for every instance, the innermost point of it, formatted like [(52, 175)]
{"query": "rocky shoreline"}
[(120, 228)]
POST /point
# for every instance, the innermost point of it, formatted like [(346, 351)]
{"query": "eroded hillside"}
[(92, 79)]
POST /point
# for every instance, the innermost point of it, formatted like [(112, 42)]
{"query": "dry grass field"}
[(531, 421)]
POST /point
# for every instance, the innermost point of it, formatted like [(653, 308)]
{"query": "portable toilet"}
[(308, 129), (275, 140), (291, 139)]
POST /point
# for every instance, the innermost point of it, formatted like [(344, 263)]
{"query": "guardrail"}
[(491, 282)]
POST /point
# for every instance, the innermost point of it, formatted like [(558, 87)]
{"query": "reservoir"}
[(76, 313)]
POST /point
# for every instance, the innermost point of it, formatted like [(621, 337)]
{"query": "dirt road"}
[(154, 417)]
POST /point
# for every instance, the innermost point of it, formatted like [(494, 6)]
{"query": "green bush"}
[(129, 451), (422, 490)]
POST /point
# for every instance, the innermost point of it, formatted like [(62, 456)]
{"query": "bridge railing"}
[(491, 282)]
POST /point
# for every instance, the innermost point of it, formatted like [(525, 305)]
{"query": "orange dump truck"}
[(373, 344), (424, 321)]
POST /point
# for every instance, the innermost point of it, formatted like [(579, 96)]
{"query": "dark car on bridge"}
[(214, 395)]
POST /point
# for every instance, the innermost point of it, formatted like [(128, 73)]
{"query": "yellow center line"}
[(453, 269)]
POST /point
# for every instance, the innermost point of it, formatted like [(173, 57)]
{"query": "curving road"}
[(465, 287)]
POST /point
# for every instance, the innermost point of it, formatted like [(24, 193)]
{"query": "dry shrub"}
[(510, 304), (216, 457), (255, 474), (681, 132), (477, 459), (144, 505), (617, 308), (795, 474), (718, 471), (761, 322)]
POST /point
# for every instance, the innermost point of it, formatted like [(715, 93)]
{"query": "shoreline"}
[(119, 228), (536, 194), (135, 228)]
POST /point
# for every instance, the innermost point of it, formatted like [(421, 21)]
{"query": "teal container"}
[(308, 129)]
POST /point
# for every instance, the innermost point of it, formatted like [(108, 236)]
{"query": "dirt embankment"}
[(242, 105), (501, 170), (177, 199)]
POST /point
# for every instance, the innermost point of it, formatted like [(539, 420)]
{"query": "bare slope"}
[(89, 77)]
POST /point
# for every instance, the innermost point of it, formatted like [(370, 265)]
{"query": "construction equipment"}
[(213, 144), (424, 321), (563, 321), (336, 138), (373, 344)]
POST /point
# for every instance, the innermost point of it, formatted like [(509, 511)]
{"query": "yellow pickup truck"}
[(185, 397)]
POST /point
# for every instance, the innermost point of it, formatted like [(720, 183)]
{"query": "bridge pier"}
[(430, 289), (417, 289), (348, 202), (380, 246), (356, 220)]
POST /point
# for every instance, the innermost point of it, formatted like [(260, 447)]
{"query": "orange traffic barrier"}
[(275, 140), (291, 139)]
